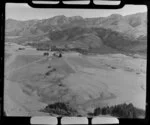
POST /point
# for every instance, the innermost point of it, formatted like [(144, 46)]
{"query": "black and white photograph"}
[(75, 62)]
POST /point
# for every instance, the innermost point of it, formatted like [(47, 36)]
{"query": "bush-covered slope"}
[(121, 33)]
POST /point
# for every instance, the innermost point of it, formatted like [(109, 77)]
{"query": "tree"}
[(60, 108), (121, 110), (97, 111)]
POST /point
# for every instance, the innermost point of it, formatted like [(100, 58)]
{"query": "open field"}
[(85, 82)]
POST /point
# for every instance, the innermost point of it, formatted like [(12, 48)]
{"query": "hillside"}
[(121, 33)]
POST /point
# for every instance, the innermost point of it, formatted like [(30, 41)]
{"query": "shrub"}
[(60, 108), (50, 71)]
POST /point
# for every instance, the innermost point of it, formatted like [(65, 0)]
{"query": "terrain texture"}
[(103, 64)]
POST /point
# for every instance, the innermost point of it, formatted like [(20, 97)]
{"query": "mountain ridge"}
[(123, 33), (116, 22)]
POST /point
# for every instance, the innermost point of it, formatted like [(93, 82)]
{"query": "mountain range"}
[(115, 32)]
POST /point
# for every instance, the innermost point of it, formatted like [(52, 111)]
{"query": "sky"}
[(25, 12)]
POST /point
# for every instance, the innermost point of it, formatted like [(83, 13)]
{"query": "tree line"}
[(122, 111)]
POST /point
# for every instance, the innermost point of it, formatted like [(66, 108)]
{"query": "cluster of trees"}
[(121, 111), (47, 46), (80, 50), (60, 108), (40, 46)]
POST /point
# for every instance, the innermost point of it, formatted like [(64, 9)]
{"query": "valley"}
[(75, 66), (112, 34)]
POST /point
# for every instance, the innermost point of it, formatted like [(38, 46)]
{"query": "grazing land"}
[(84, 82), (76, 66)]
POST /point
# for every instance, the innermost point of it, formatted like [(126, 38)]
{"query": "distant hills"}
[(115, 32)]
